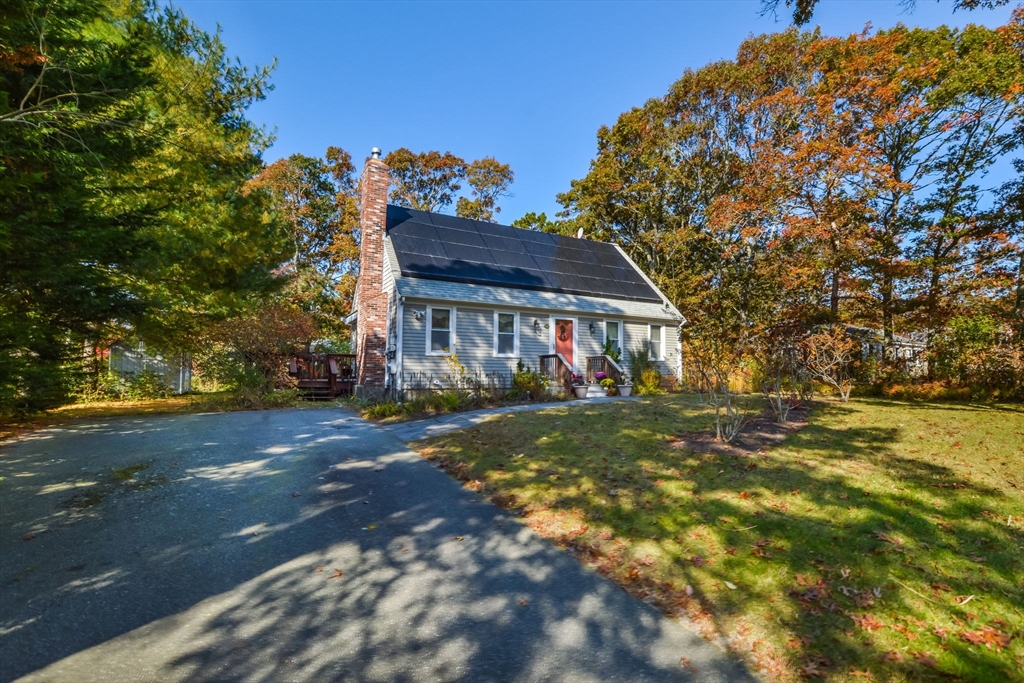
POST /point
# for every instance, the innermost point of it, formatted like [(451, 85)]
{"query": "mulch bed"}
[(759, 434)]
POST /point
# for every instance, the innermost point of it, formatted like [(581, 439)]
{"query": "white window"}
[(657, 347), (612, 334), (506, 334), (440, 331)]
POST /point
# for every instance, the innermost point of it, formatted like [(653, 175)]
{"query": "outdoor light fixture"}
[(418, 315), (536, 326), (592, 328)]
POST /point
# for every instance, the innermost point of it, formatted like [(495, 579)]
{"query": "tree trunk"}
[(835, 294)]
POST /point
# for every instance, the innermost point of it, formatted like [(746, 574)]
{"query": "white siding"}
[(474, 341), (635, 335)]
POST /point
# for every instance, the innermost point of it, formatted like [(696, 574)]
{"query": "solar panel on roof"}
[(441, 247)]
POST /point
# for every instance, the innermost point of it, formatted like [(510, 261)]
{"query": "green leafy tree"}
[(125, 150)]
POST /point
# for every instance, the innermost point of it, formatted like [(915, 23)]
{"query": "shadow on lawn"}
[(827, 530), (306, 551)]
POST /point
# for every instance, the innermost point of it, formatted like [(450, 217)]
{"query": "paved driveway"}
[(298, 545)]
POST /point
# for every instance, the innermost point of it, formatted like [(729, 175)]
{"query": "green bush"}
[(527, 383), (643, 370), (453, 400), (146, 385), (384, 409), (130, 386)]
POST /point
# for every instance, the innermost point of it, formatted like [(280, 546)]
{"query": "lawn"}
[(885, 541)]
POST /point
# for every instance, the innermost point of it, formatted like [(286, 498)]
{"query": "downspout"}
[(398, 342)]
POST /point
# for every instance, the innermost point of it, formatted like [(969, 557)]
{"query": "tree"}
[(317, 200), (489, 180), (125, 148), (428, 181), (829, 355), (803, 10), (539, 222), (851, 169), (431, 181)]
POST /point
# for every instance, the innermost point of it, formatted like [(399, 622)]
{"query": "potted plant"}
[(625, 389), (579, 386), (609, 386)]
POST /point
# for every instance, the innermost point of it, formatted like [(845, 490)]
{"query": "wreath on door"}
[(563, 333)]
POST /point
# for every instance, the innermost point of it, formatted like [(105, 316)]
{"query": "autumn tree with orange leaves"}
[(816, 181)]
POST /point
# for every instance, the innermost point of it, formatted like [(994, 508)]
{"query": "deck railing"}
[(558, 369), (605, 364), (323, 375)]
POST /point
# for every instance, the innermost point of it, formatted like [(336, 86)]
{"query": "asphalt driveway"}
[(296, 545)]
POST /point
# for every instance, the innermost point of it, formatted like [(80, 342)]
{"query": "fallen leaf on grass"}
[(319, 569), (893, 656), (861, 674), (688, 665), (523, 602), (868, 622), (904, 630), (459, 538), (925, 659), (730, 585), (986, 636), (336, 575), (28, 537)]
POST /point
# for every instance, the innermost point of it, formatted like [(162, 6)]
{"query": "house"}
[(432, 285)]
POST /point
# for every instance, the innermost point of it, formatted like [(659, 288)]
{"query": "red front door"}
[(563, 341)]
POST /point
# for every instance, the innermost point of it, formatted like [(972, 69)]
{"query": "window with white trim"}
[(506, 334), (613, 334), (440, 326), (657, 347)]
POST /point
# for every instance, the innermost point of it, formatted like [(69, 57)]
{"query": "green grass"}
[(883, 542)]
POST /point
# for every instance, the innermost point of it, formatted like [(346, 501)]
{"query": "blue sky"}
[(526, 82)]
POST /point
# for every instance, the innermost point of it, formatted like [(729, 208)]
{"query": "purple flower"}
[(600, 375)]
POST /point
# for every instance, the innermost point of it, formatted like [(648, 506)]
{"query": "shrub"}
[(379, 411), (609, 385), (650, 383), (453, 400), (146, 385), (130, 386), (643, 370), (527, 384), (611, 350)]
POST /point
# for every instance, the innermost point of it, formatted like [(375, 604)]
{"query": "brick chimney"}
[(371, 300)]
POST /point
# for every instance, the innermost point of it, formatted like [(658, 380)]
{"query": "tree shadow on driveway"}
[(296, 545)]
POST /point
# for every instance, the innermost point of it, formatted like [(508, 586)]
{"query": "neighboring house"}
[(133, 359), (909, 352), (431, 285)]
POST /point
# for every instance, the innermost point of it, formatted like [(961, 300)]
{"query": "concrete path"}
[(297, 545), (442, 424)]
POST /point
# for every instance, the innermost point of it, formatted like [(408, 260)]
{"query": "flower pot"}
[(581, 391), (625, 389)]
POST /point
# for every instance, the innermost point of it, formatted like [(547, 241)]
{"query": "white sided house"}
[(431, 285)]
